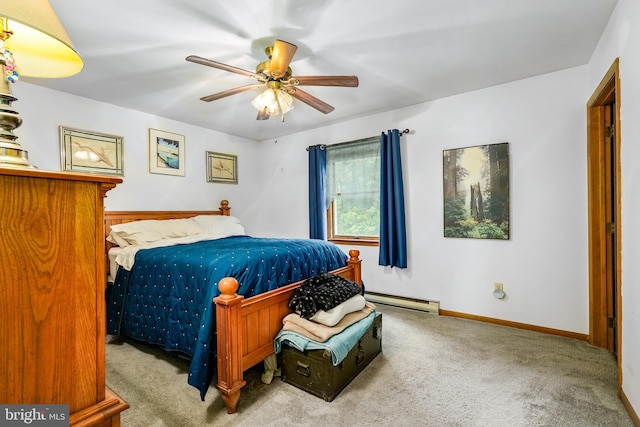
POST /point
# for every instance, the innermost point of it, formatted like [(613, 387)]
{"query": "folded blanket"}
[(319, 332), (322, 292), (338, 345)]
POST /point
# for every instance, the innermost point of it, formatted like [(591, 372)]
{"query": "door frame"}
[(607, 90)]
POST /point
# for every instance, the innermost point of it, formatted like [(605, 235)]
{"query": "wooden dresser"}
[(52, 283)]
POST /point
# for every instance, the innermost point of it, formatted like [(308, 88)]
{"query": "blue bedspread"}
[(166, 298)]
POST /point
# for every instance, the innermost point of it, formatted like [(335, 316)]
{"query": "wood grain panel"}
[(262, 333), (252, 341), (62, 306), (52, 290)]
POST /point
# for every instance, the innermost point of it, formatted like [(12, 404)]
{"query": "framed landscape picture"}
[(166, 153), (476, 192), (222, 168), (91, 152)]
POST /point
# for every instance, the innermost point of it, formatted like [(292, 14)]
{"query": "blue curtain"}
[(393, 233), (317, 185)]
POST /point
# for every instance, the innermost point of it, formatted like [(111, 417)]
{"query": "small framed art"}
[(166, 153), (91, 152), (222, 168)]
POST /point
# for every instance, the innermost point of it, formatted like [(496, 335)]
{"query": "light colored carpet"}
[(433, 371)]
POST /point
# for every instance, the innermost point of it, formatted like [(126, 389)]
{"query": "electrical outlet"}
[(498, 287)]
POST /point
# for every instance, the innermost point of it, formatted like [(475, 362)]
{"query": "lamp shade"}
[(39, 43), (273, 102)]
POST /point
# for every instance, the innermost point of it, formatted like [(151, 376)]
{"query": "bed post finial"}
[(227, 287), (355, 262), (224, 207)]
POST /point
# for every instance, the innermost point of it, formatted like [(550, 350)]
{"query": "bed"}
[(243, 328)]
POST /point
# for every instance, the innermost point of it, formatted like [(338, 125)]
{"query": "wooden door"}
[(603, 149)]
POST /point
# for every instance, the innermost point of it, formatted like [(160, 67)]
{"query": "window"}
[(353, 191)]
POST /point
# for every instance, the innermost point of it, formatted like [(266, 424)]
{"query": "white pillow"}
[(213, 221), (148, 231), (218, 226), (117, 240), (333, 316)]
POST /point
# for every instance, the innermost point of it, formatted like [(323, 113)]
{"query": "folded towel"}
[(319, 332), (338, 345)]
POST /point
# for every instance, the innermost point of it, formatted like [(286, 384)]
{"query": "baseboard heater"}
[(431, 307)]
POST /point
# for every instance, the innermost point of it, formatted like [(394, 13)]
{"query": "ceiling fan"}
[(281, 85)]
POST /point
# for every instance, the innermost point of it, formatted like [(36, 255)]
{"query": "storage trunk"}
[(312, 370)]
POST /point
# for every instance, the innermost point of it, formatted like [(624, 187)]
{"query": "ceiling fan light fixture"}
[(285, 101), (273, 102)]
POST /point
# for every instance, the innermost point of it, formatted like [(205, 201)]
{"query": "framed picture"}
[(166, 153), (476, 192), (92, 152), (222, 168)]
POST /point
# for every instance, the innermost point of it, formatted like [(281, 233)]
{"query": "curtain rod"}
[(324, 146)]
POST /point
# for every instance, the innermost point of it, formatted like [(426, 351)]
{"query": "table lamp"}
[(34, 44)]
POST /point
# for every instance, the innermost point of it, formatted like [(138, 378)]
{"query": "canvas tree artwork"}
[(476, 192)]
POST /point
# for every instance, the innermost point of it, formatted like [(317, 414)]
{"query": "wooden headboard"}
[(120, 217)]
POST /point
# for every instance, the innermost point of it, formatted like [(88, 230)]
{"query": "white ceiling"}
[(403, 51)]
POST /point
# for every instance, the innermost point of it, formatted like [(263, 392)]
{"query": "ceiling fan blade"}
[(230, 92), (220, 66), (281, 58), (311, 100), (344, 81)]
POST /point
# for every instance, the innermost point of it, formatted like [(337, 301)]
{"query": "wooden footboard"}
[(247, 328)]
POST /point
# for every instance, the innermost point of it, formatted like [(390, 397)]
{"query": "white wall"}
[(44, 110), (544, 264), (621, 39)]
